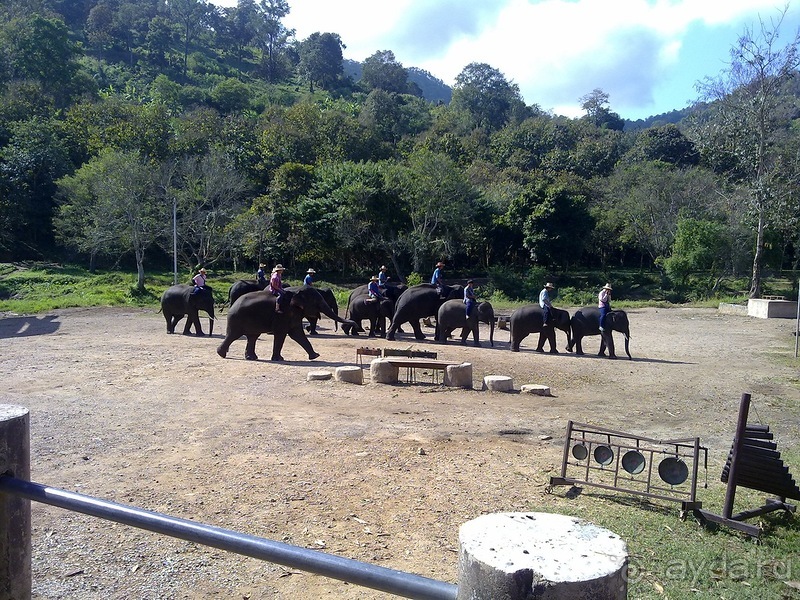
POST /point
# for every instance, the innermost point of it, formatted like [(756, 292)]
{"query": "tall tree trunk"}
[(758, 258)]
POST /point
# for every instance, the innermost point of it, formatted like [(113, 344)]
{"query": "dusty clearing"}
[(123, 411)]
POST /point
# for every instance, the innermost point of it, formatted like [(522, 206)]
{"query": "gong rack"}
[(615, 460)]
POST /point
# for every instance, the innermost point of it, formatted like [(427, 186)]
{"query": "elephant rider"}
[(604, 304), (276, 286), (545, 304), (309, 279), (261, 277), (374, 290), (199, 282), (383, 278), (437, 278), (469, 296)]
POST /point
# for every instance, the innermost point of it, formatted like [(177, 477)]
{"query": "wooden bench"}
[(774, 297), (412, 364), (362, 352)]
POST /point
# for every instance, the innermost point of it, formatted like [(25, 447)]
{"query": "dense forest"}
[(134, 129)]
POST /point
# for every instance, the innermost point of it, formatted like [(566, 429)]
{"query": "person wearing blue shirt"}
[(545, 303), (308, 279), (383, 278), (374, 290), (469, 296), (437, 278), (261, 276)]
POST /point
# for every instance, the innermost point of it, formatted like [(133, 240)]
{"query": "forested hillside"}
[(120, 120)]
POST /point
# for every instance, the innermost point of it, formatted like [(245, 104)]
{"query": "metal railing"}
[(395, 582)]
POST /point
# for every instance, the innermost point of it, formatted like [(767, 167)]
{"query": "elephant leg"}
[(250, 349), (607, 342), (417, 330), (170, 324), (312, 326), (516, 340), (542, 340), (577, 341), (299, 336), (198, 328), (551, 338), (223, 348), (190, 320)]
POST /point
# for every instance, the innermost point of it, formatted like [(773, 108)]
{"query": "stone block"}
[(319, 376), (498, 383), (350, 374), (458, 375), (382, 371), (506, 555), (533, 388), (771, 309)]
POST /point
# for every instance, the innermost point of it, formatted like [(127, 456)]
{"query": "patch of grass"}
[(670, 558)]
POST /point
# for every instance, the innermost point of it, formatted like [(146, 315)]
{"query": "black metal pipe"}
[(336, 567)]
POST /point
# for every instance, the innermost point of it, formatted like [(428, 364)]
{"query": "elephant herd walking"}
[(253, 312)]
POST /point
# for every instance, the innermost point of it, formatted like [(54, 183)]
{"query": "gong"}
[(633, 462), (603, 455), (673, 470), (580, 452)]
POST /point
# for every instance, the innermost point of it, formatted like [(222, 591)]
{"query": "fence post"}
[(15, 511), (517, 556)]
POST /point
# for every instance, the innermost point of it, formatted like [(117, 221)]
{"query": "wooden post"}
[(15, 512), (738, 441)]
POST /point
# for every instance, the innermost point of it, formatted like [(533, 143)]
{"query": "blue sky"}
[(646, 54)]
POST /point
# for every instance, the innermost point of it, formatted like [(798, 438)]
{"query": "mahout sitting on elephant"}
[(586, 321), (254, 314), (359, 308), (452, 315), (530, 319), (420, 301), (179, 301)]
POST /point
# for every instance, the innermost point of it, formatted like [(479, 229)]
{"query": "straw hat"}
[(607, 287), (261, 265), (384, 268), (278, 267), (549, 286), (374, 278), (440, 264), (311, 271), (203, 271)]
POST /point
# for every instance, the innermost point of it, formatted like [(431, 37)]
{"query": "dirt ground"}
[(382, 474)]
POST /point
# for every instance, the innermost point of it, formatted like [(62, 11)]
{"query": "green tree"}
[(272, 38), (596, 105), (383, 71), (748, 120), (115, 191), (699, 245), (485, 93), (321, 59), (190, 15)]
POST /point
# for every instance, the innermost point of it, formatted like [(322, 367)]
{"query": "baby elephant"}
[(452, 315)]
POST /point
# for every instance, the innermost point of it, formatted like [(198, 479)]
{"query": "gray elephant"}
[(530, 319), (453, 314), (254, 314), (330, 299), (359, 309), (418, 302), (242, 287), (586, 321), (178, 301)]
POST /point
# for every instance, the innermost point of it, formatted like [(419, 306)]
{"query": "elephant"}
[(375, 312), (420, 301), (452, 315), (178, 301), (530, 319), (254, 314), (586, 321), (330, 299), (242, 287)]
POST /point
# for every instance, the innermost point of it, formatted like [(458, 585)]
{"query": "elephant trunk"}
[(328, 312)]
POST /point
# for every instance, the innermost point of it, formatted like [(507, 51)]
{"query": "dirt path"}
[(384, 474)]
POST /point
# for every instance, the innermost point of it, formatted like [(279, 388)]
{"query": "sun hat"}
[(440, 264), (278, 267), (384, 268), (261, 265), (607, 287), (312, 271), (374, 278), (470, 281), (202, 270), (549, 286)]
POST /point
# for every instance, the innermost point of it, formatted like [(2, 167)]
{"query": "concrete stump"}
[(532, 388), (498, 383), (458, 375), (518, 556), (350, 375), (319, 376), (382, 371)]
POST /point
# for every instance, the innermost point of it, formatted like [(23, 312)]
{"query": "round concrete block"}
[(382, 371), (532, 388), (458, 375), (319, 376), (506, 555), (498, 383), (350, 375)]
